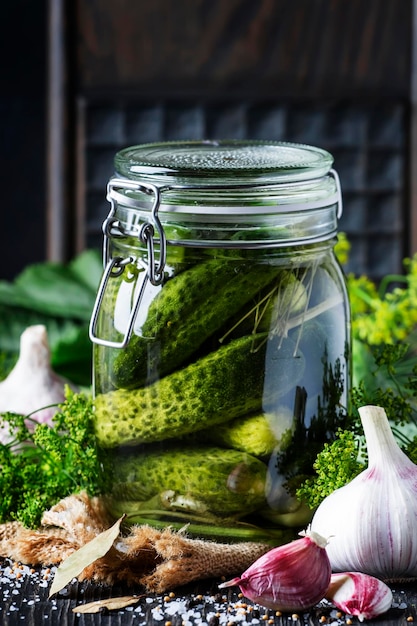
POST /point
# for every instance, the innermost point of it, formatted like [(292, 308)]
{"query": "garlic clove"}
[(359, 594), (372, 521), (32, 386), (292, 577)]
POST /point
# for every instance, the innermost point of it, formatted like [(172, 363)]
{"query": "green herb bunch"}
[(384, 318), (43, 464), (386, 313), (384, 363), (344, 458)]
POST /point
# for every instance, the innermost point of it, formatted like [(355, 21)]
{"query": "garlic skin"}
[(372, 521), (359, 594), (32, 384), (292, 577)]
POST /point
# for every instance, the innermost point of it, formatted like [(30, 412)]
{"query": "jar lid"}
[(229, 162)]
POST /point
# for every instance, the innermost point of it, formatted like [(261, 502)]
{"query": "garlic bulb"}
[(292, 577), (32, 386), (371, 522), (359, 594)]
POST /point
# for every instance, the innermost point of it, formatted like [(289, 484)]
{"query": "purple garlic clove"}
[(359, 594), (292, 577)]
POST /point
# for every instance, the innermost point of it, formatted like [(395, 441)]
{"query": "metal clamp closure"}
[(335, 175), (114, 268), (153, 270), (113, 228)]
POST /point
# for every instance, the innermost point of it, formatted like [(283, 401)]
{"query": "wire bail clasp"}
[(112, 227), (336, 178), (113, 267)]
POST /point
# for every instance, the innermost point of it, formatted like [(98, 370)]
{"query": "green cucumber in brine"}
[(258, 434), (200, 480), (239, 378), (189, 308)]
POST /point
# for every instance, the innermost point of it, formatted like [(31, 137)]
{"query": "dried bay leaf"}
[(109, 604), (72, 566)]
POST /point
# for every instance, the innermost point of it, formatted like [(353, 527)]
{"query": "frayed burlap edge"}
[(157, 560)]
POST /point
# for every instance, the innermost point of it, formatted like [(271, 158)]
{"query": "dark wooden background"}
[(268, 48), (91, 76)]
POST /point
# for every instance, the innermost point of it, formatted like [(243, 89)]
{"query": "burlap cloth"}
[(156, 560)]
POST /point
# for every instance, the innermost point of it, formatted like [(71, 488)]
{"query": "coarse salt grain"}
[(157, 613), (201, 610)]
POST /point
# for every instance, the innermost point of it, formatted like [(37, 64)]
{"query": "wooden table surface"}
[(24, 600)]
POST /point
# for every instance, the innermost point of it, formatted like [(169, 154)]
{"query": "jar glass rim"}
[(236, 161)]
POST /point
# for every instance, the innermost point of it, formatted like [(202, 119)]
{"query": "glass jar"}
[(221, 335)]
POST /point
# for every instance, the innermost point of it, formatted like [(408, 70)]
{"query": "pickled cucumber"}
[(203, 479), (257, 434), (190, 307), (224, 384)]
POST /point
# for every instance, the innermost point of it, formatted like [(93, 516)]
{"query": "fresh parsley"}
[(40, 466)]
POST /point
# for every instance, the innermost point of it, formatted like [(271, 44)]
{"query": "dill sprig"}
[(335, 466), (43, 464), (384, 363)]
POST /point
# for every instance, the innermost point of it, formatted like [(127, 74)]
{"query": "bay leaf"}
[(73, 565), (109, 604)]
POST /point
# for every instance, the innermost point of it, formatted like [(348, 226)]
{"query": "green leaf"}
[(62, 290), (13, 322), (12, 296), (71, 354), (53, 289), (87, 267), (61, 297)]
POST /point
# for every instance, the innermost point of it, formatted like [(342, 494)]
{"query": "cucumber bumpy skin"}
[(258, 434), (220, 386), (224, 384), (189, 308), (220, 481)]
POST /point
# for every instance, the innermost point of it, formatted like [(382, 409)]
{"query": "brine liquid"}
[(215, 411)]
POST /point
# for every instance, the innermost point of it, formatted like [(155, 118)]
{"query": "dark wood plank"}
[(60, 132), (25, 600), (325, 48)]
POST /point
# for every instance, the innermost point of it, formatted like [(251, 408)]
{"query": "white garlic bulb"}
[(371, 522), (32, 386)]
